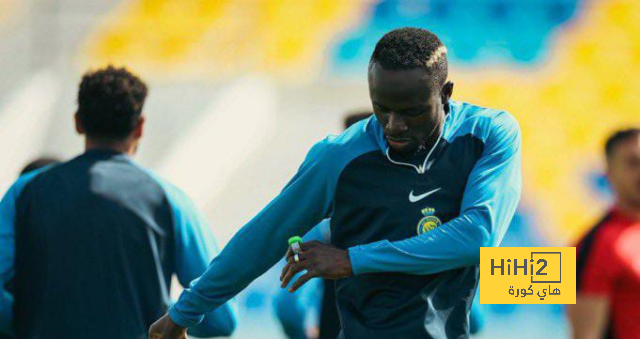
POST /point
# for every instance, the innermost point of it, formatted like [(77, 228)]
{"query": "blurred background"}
[(240, 89)]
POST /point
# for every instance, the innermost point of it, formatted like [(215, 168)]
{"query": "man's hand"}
[(319, 260), (165, 328)]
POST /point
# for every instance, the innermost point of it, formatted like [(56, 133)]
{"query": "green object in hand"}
[(294, 243), (294, 240)]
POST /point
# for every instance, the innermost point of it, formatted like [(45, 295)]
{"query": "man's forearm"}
[(452, 245), (589, 317)]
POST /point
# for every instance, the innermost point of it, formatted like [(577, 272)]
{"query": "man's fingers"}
[(301, 281), (305, 246), (284, 270), (287, 266), (287, 275), (291, 261), (291, 272), (301, 256), (154, 333), (293, 269)]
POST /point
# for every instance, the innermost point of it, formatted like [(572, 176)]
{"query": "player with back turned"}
[(88, 247), (413, 192)]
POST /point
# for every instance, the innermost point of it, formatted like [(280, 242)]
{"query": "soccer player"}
[(608, 276), (88, 247), (412, 192), (293, 310)]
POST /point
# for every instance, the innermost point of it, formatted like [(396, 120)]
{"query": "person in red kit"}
[(608, 266)]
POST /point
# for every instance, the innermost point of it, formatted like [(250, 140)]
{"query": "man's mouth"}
[(398, 142)]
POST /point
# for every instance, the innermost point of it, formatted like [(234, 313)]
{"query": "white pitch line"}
[(24, 121), (234, 126)]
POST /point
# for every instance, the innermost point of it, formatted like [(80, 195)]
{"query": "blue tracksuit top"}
[(88, 249), (413, 229)]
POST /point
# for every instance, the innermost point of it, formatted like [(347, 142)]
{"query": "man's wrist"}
[(349, 267), (180, 319)]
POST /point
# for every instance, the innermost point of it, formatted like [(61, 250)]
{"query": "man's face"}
[(623, 170), (407, 104)]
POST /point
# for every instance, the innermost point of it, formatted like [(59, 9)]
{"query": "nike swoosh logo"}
[(415, 198)]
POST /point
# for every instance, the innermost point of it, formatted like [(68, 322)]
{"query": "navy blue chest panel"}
[(372, 198), (371, 204)]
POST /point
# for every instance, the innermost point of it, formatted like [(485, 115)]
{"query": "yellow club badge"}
[(428, 222)]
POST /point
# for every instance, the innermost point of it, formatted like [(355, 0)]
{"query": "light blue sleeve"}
[(7, 248), (293, 310), (303, 203), (321, 232), (488, 205), (195, 247)]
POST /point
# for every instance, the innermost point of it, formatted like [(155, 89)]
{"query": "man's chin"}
[(403, 149)]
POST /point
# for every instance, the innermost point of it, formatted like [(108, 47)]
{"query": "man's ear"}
[(139, 130), (447, 91), (78, 123)]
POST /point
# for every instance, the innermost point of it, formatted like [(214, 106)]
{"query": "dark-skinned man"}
[(413, 192)]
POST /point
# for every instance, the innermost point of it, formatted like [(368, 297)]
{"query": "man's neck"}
[(432, 139), (630, 210), (126, 146)]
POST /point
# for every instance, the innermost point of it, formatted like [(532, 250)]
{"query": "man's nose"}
[(396, 124)]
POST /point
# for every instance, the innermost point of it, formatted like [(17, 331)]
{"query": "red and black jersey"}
[(608, 265)]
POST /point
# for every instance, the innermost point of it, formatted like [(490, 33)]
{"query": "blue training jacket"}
[(88, 249), (294, 310), (413, 229)]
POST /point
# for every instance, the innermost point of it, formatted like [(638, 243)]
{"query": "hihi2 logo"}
[(528, 275)]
